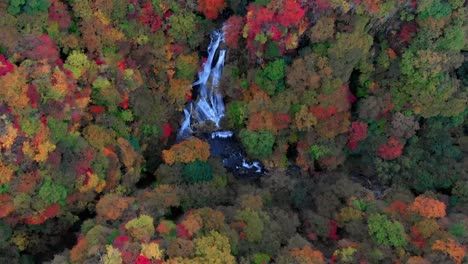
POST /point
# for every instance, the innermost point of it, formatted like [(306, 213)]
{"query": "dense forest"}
[(356, 108)]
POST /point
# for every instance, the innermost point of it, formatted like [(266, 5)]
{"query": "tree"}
[(78, 252), (197, 171), (6, 205), (358, 133), (301, 74), (323, 30), (98, 136), (51, 192), (307, 255), (14, 91), (112, 206), (271, 78), (39, 47), (77, 62), (5, 66), (112, 256), (186, 66), (237, 113), (6, 174), (152, 251), (180, 248), (428, 207), (304, 119), (58, 12), (268, 121), (232, 31), (16, 7), (179, 90), (211, 8), (291, 14), (392, 150), (404, 126), (386, 232), (426, 228), (259, 144), (349, 49), (182, 26), (149, 17), (187, 151), (141, 228), (213, 248), (254, 225), (450, 247), (433, 8)]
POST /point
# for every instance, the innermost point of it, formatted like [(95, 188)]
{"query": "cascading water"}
[(209, 106)]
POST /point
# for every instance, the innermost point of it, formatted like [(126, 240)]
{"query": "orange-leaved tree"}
[(456, 252), (307, 255), (187, 151), (112, 206), (428, 207)]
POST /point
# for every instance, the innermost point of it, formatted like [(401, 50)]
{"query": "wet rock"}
[(225, 146)]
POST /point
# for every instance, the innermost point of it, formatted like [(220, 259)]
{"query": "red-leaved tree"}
[(358, 133), (291, 14), (211, 8), (391, 150), (232, 31), (149, 17), (39, 47), (58, 12), (5, 66)]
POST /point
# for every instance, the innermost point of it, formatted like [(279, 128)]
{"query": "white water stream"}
[(209, 106)]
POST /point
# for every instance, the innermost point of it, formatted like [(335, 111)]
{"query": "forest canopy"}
[(356, 108)]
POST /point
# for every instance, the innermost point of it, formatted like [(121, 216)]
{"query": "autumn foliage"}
[(187, 151), (211, 8), (391, 150), (352, 107), (450, 247), (268, 121), (291, 13), (428, 207), (6, 205), (233, 30), (263, 23), (112, 206), (307, 255), (358, 133), (5, 66)]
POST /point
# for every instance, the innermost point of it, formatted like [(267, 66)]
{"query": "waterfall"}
[(209, 106)]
